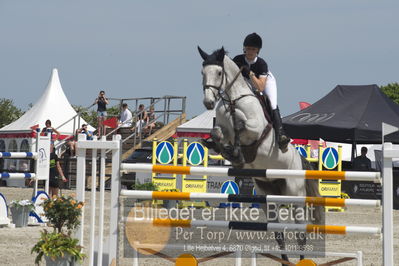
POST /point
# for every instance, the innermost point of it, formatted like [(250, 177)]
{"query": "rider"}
[(257, 74)]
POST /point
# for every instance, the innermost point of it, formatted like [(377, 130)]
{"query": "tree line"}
[(9, 112)]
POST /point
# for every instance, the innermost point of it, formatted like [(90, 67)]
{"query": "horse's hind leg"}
[(273, 188), (301, 239), (279, 236)]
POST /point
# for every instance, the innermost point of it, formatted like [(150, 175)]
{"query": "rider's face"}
[(251, 52)]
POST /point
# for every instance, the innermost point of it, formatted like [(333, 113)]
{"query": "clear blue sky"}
[(148, 48)]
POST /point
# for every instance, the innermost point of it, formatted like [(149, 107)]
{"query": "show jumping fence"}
[(42, 164), (117, 167)]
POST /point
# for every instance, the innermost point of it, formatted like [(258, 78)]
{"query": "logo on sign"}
[(330, 158), (164, 152), (195, 153), (229, 187), (302, 151), (42, 155), (312, 118)]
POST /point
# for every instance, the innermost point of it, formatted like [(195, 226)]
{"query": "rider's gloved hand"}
[(245, 71)]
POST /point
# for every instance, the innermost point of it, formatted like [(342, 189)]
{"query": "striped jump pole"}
[(353, 255), (316, 201), (267, 173), (17, 175), (254, 226), (18, 155)]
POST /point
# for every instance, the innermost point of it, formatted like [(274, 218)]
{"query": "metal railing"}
[(167, 109), (163, 106), (76, 124)]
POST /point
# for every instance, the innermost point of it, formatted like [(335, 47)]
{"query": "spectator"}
[(142, 118), (101, 102), (125, 119), (48, 129), (24, 166), (84, 130), (71, 144), (54, 167), (362, 163), (150, 120)]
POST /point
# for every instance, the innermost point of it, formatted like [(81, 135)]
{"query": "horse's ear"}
[(220, 54), (202, 53)]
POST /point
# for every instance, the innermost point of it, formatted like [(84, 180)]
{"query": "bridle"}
[(217, 88), (223, 93)]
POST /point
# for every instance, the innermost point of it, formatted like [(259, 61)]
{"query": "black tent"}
[(348, 114)]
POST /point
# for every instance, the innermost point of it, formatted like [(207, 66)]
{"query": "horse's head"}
[(213, 76)]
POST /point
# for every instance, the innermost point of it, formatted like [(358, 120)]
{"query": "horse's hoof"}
[(209, 143)]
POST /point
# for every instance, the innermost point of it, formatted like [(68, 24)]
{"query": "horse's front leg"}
[(253, 129), (249, 128), (215, 141), (220, 142)]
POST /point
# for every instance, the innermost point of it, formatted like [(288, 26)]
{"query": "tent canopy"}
[(348, 114), (200, 126), (53, 105)]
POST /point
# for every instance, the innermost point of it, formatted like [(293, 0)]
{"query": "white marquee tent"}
[(53, 105), (198, 127)]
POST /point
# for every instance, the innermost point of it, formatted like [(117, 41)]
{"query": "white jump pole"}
[(93, 203), (387, 212), (115, 191), (80, 183), (101, 210), (387, 201), (36, 183)]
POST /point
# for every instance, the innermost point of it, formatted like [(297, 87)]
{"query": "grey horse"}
[(243, 135)]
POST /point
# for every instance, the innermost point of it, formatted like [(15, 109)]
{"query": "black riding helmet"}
[(253, 40)]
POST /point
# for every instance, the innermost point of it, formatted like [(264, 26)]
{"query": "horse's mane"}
[(226, 52), (215, 58)]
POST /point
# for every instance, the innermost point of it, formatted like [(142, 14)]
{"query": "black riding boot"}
[(281, 138)]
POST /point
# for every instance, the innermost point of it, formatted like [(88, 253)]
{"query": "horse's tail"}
[(312, 190)]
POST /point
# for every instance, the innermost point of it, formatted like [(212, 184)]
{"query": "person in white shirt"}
[(125, 119)]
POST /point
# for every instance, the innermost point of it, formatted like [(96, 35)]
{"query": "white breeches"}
[(271, 90)]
